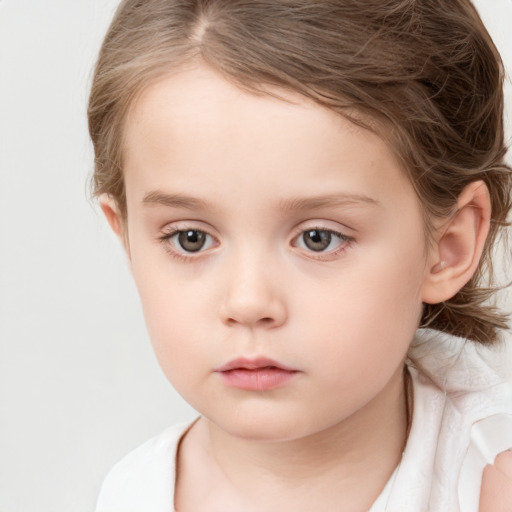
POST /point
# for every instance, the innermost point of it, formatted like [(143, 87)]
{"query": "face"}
[(265, 230)]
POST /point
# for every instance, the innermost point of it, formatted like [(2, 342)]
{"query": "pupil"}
[(317, 240), (192, 241)]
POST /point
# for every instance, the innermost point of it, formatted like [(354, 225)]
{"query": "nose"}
[(253, 298)]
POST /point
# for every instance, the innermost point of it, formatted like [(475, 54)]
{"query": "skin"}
[(496, 491), (255, 173)]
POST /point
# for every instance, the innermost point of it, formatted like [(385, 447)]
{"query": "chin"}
[(265, 426)]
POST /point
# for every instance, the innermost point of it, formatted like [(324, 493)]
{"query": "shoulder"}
[(474, 379), (144, 479), (466, 399)]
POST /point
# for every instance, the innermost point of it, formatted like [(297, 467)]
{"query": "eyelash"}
[(345, 243), (344, 240), (166, 240)]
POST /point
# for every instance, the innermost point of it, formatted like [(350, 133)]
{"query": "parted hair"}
[(424, 74)]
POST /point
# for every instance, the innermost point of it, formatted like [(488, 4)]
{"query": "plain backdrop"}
[(79, 385)]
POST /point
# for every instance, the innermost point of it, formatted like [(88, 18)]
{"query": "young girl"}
[(299, 185)]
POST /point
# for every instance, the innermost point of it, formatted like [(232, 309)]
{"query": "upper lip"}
[(252, 364)]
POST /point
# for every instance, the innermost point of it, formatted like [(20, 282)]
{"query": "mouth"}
[(259, 374), (259, 363)]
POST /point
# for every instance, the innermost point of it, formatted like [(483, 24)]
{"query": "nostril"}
[(266, 321), (262, 321)]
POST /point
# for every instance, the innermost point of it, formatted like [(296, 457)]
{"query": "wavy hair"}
[(424, 72)]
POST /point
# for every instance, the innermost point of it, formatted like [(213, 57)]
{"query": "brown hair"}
[(425, 71)]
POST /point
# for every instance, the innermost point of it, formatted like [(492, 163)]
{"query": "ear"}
[(113, 215), (456, 251)]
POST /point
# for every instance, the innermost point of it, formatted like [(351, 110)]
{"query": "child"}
[(299, 185)]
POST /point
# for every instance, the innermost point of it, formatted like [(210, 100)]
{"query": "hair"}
[(424, 72)]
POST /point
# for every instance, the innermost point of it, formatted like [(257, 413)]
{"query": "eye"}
[(189, 240), (320, 240)]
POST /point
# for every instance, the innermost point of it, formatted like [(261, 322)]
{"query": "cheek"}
[(366, 318), (172, 311), (178, 333), (171, 304)]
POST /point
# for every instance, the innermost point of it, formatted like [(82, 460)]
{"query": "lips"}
[(260, 374), (252, 364)]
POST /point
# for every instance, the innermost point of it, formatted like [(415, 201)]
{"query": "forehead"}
[(196, 131), (198, 101)]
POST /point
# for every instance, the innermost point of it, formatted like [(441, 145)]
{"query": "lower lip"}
[(260, 379)]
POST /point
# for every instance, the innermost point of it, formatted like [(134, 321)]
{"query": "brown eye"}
[(191, 240), (316, 239), (321, 241)]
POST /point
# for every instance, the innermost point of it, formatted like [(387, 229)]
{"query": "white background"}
[(79, 385)]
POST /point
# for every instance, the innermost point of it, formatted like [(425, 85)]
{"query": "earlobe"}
[(456, 253)]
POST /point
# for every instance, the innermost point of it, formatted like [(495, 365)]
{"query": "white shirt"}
[(462, 418)]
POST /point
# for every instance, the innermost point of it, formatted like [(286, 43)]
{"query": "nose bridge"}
[(252, 296)]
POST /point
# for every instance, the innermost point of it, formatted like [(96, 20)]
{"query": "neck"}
[(344, 467)]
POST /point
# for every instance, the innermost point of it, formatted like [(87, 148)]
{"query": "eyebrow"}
[(182, 201), (176, 201), (327, 201)]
